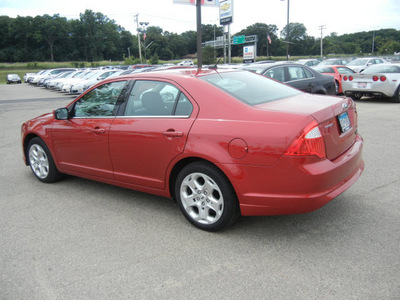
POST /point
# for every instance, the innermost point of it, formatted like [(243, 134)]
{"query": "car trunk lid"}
[(336, 118)]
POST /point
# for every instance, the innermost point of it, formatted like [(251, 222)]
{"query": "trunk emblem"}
[(344, 105)]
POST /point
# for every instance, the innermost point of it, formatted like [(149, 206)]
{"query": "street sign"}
[(240, 39)]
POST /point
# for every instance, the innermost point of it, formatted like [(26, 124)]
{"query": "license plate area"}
[(362, 85), (344, 122)]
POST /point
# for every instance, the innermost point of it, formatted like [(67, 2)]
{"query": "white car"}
[(382, 80), (186, 63), (360, 64)]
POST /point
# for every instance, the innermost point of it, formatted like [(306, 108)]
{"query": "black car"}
[(298, 76)]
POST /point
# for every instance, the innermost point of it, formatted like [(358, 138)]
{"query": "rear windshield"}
[(250, 88)]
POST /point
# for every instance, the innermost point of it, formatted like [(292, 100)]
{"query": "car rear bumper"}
[(297, 185)]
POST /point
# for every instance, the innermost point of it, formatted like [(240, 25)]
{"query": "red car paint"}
[(249, 143)]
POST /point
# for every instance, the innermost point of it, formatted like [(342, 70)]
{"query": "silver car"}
[(360, 64), (13, 78), (382, 80)]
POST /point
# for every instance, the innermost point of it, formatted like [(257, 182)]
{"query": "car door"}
[(300, 78), (81, 142), (150, 133)]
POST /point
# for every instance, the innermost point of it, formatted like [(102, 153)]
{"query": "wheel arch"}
[(177, 168), (26, 141)]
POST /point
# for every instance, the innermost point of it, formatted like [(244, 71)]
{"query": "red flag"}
[(269, 38), (144, 36)]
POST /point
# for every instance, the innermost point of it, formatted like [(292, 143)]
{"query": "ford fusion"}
[(222, 143)]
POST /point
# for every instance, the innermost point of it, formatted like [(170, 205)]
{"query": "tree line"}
[(95, 37)]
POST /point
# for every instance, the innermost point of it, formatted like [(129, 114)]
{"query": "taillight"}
[(345, 78), (376, 78), (350, 78), (310, 142)]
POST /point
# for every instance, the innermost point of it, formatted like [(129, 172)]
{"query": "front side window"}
[(99, 102), (157, 98)]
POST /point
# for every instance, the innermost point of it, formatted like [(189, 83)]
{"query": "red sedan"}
[(337, 72), (223, 143)]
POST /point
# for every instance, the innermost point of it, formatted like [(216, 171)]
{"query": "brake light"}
[(345, 78), (376, 78), (309, 142), (350, 78)]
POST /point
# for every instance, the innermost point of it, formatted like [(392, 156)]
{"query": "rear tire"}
[(206, 197), (41, 161), (396, 96), (336, 87)]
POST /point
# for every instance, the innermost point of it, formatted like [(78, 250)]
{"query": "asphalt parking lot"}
[(79, 239)]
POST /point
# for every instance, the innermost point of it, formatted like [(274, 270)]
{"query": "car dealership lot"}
[(79, 239)]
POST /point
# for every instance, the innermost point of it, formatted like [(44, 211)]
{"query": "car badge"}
[(345, 106)]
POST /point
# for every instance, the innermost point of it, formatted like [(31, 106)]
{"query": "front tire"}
[(41, 161), (206, 197)]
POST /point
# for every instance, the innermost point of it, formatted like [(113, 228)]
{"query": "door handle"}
[(98, 130), (172, 133)]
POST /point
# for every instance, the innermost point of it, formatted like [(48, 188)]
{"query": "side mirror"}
[(61, 114)]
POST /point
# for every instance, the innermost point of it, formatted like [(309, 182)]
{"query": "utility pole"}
[(138, 36), (322, 27), (373, 43)]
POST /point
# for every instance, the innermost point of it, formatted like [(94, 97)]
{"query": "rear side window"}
[(298, 73), (157, 98), (276, 73), (250, 88)]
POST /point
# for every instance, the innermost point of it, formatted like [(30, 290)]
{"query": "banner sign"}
[(225, 12), (249, 53)]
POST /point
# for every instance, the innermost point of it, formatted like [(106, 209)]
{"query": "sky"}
[(340, 16)]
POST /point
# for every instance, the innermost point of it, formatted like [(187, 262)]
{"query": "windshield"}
[(250, 88), (358, 62), (382, 69)]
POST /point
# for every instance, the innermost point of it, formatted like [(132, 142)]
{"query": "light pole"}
[(138, 35), (287, 30), (143, 26)]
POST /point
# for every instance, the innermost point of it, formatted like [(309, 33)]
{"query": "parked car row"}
[(76, 81), (357, 65)]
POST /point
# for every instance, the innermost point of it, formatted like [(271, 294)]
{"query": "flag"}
[(144, 36), (269, 39)]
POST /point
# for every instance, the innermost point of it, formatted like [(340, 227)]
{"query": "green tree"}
[(209, 55), (262, 31)]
